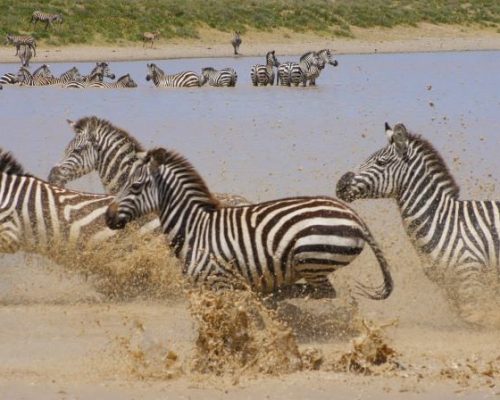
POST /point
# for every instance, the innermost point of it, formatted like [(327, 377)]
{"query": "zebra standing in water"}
[(25, 78), (25, 55), (42, 71), (264, 74), (270, 245), (181, 79), (36, 216), (457, 239), (308, 69), (22, 40), (98, 73), (224, 77), (124, 81), (110, 151), (236, 42), (49, 19)]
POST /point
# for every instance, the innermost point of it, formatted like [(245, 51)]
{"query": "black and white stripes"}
[(458, 239), (181, 79), (47, 18), (220, 78), (269, 245)]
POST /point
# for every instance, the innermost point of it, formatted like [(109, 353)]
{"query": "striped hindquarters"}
[(182, 79)]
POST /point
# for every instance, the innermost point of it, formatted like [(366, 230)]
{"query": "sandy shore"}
[(425, 38)]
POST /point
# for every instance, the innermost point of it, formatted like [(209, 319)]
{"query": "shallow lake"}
[(270, 142)]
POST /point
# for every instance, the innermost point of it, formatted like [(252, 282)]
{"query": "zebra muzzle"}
[(113, 219), (344, 187)]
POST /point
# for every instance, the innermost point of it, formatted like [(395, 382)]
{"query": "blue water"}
[(271, 142)]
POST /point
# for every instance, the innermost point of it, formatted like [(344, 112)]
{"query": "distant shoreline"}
[(424, 38)]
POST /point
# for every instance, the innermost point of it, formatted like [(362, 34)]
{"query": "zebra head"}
[(327, 56), (43, 71), (58, 18), (271, 59), (102, 68), (9, 39), (23, 75), (127, 81), (140, 195), (80, 155), (382, 174), (153, 72)]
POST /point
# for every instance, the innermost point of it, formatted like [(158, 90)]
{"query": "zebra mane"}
[(437, 159), (105, 127), (171, 158), (9, 165)]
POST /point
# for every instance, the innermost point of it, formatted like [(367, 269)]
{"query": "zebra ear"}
[(141, 155), (400, 139), (71, 123)]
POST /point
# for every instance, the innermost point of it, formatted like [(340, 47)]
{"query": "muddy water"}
[(62, 337)]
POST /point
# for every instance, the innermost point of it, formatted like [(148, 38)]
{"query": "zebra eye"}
[(135, 187), (381, 161)]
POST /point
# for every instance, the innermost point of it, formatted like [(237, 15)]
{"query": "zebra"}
[(124, 81), (20, 40), (181, 79), (150, 37), (308, 68), (98, 73), (36, 216), (270, 245), (49, 19), (112, 152), (223, 77), (264, 74), (25, 78), (458, 240), (41, 71), (25, 55), (236, 42)]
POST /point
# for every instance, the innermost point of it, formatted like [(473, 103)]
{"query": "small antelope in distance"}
[(150, 37), (236, 41)]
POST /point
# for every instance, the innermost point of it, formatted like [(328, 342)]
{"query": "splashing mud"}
[(237, 334), (128, 266)]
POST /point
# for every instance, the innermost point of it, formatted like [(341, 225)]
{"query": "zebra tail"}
[(383, 291)]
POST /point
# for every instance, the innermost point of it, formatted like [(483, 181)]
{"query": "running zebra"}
[(270, 245), (21, 40), (264, 74), (236, 42), (25, 78), (110, 151), (224, 77), (25, 55), (150, 37), (36, 216), (182, 79), (124, 81), (49, 19), (11, 78), (458, 239)]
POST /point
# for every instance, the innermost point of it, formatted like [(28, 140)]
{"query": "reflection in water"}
[(270, 142)]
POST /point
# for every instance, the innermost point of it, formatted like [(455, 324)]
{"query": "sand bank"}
[(425, 38)]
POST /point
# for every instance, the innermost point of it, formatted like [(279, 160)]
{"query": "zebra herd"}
[(307, 70), (270, 246)]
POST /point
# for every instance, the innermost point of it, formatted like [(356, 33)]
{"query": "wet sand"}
[(424, 38), (62, 339)]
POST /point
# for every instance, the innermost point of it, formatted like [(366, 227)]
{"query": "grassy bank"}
[(113, 21)]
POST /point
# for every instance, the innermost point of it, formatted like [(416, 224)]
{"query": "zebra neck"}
[(114, 166), (183, 225), (426, 203)]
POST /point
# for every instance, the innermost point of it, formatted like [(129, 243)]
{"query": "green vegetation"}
[(114, 21)]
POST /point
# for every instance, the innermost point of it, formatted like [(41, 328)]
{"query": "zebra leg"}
[(471, 294)]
